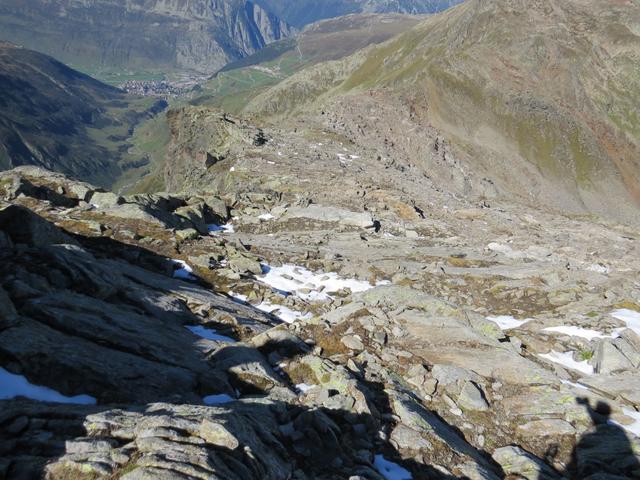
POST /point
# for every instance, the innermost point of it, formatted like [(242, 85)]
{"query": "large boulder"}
[(21, 225), (322, 213)]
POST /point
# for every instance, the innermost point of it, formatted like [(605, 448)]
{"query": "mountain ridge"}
[(552, 100)]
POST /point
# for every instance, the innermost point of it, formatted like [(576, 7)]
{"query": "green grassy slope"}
[(238, 83)]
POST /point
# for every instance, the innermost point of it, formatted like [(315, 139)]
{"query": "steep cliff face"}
[(151, 35)]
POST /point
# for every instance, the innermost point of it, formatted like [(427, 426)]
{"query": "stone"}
[(24, 226), (548, 427), (249, 370), (218, 435), (453, 378), (104, 200), (472, 398), (515, 461), (406, 438), (81, 191), (609, 359), (195, 214), (216, 210), (243, 264), (625, 385), (352, 342), (331, 214), (187, 234)]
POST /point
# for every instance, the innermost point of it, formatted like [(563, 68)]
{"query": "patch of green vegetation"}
[(586, 355), (116, 78), (146, 157), (232, 89), (592, 314)]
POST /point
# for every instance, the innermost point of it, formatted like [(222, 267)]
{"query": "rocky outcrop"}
[(142, 36)]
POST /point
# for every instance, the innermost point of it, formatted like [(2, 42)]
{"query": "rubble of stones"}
[(450, 365)]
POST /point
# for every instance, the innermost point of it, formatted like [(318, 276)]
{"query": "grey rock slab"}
[(352, 342), (439, 434), (249, 369), (625, 385), (609, 358), (104, 200), (217, 434), (330, 214), (245, 264), (73, 365), (515, 461), (472, 398), (548, 427)]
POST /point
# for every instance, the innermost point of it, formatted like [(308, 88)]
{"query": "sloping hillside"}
[(57, 118), (303, 12), (236, 84), (140, 36), (540, 100)]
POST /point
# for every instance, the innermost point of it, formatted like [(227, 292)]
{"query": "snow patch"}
[(308, 285), (283, 313), (574, 385), (184, 271), (632, 427), (213, 228), (304, 388), (12, 386), (507, 322), (266, 217), (209, 334), (238, 297), (566, 360), (630, 317), (219, 399), (574, 331), (390, 470), (598, 268)]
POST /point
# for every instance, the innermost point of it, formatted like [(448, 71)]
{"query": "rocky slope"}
[(314, 315), (549, 118), (303, 12), (148, 36), (59, 119), (321, 295)]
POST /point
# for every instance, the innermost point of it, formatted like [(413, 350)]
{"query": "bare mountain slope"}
[(537, 101), (148, 35)]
